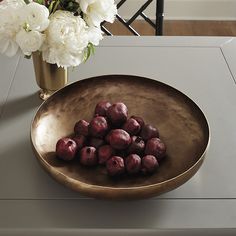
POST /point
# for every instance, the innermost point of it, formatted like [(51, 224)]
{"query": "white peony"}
[(20, 25), (35, 16), (30, 41), (66, 39), (95, 35), (97, 11), (9, 26), (11, 4)]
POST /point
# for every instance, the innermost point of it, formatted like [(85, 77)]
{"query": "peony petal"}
[(84, 4), (35, 15), (29, 41), (94, 19), (95, 35), (66, 39)]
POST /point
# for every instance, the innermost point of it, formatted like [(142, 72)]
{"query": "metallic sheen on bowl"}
[(181, 123)]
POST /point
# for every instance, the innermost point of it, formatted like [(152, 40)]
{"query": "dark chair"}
[(157, 24)]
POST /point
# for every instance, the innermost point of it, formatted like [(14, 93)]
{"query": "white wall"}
[(187, 9)]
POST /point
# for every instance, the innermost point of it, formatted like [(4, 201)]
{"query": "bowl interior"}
[(181, 123)]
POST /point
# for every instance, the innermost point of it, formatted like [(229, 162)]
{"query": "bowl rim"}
[(101, 187)]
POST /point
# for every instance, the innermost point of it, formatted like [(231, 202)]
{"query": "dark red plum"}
[(117, 114), (102, 107), (107, 138), (96, 142), (88, 156), (98, 127), (148, 132), (119, 139), (121, 153), (80, 141), (104, 153), (149, 164), (137, 145), (139, 120), (81, 127), (115, 166), (66, 149), (155, 147), (131, 126), (133, 163)]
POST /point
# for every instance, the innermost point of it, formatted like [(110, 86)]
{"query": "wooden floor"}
[(181, 28)]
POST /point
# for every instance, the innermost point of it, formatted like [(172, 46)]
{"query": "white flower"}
[(13, 4), (9, 26), (35, 16), (33, 20), (66, 39), (30, 41), (97, 11), (95, 35), (20, 25)]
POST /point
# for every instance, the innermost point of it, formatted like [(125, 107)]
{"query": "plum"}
[(137, 145), (88, 156), (96, 142), (148, 132), (149, 164), (117, 114), (104, 153), (133, 163), (66, 149), (131, 126), (80, 141), (119, 139), (139, 120), (115, 166), (155, 147), (102, 107), (98, 127), (81, 127)]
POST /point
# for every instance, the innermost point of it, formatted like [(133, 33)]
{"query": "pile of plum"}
[(122, 144)]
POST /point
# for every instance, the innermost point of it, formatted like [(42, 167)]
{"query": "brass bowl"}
[(181, 123)]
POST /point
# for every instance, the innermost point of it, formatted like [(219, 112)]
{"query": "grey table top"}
[(31, 203)]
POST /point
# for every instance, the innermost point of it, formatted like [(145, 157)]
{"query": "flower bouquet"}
[(64, 32)]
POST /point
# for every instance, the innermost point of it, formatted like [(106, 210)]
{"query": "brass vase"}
[(49, 77)]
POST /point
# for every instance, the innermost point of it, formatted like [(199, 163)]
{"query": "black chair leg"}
[(159, 16), (157, 23)]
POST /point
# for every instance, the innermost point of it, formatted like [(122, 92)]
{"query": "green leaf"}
[(69, 5), (89, 50), (56, 6), (86, 54), (50, 8), (92, 48), (41, 2)]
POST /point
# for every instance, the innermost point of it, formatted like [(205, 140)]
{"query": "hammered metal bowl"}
[(181, 123)]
